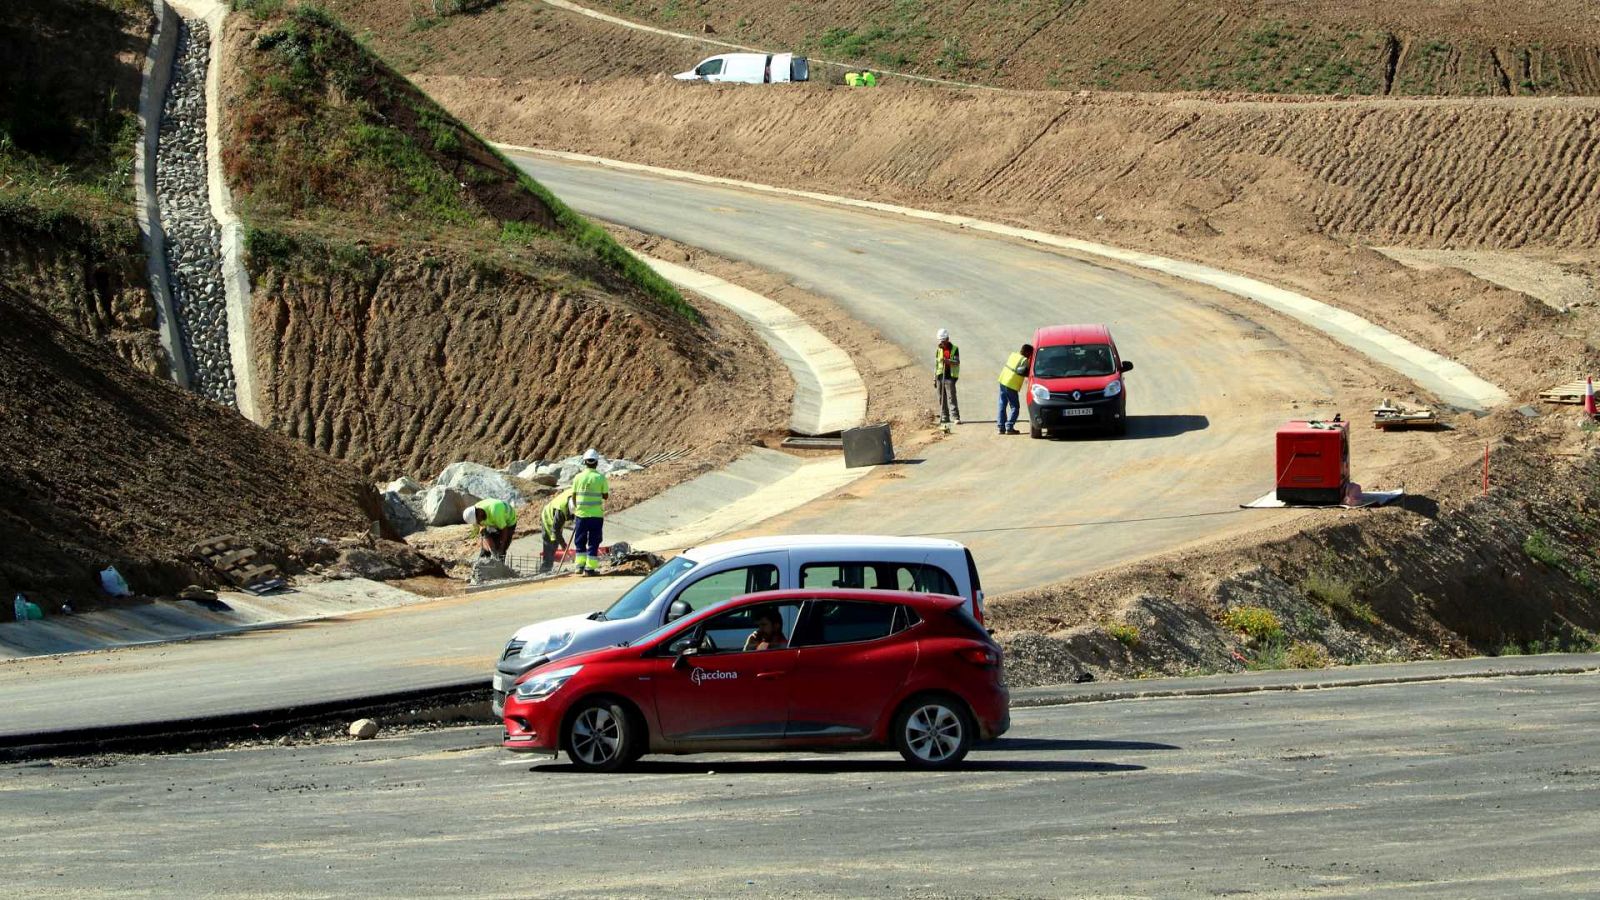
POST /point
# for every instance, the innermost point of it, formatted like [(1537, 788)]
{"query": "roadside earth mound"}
[(105, 465), (419, 300)]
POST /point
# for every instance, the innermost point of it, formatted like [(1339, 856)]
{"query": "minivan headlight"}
[(546, 683), (547, 645), (1114, 388), (1040, 393)]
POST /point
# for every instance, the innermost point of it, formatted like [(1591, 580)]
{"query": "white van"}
[(716, 572), (750, 68)]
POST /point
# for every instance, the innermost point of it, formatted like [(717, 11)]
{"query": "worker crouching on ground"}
[(589, 492), (494, 523), (1011, 379), (946, 371), (864, 78), (552, 524)]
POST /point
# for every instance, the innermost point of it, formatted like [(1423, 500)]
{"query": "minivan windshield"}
[(638, 598), (1073, 361)]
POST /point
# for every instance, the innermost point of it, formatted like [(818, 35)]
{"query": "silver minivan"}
[(715, 572)]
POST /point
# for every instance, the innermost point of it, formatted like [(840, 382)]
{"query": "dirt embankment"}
[(420, 357), (108, 466), (1463, 47), (418, 300), (1292, 192), (1451, 571), (92, 277), (69, 92)]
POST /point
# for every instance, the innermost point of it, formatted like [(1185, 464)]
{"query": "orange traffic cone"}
[(1588, 399)]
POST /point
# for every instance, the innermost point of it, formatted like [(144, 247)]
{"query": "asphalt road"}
[(1207, 392), (1483, 788), (442, 642)]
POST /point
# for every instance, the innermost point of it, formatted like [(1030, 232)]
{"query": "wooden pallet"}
[(1571, 392), (227, 555), (1391, 416)]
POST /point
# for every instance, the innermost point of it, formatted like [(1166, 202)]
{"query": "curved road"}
[(1207, 391)]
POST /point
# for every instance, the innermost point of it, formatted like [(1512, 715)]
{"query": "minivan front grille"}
[(1083, 396)]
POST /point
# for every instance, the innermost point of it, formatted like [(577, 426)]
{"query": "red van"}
[(1076, 381)]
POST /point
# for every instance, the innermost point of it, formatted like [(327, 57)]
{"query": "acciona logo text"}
[(702, 675)]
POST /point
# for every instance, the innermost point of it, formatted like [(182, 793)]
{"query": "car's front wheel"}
[(602, 737), (933, 732)]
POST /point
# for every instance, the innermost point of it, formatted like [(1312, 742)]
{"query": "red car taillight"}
[(980, 656)]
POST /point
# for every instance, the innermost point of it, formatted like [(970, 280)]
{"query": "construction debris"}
[(1390, 415), (363, 729), (239, 564)]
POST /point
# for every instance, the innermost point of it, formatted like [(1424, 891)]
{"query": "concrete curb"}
[(1449, 380), (157, 76), (829, 393), (1308, 680), (175, 734)]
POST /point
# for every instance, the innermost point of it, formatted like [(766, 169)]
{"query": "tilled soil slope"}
[(108, 466), (1468, 47), (1287, 191), (427, 357)]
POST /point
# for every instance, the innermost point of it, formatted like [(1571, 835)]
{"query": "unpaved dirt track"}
[(1206, 392), (1450, 789)]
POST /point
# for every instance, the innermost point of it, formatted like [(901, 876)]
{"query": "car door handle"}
[(769, 674)]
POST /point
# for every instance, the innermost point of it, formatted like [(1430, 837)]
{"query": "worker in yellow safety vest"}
[(589, 492), (946, 370), (1011, 379), (553, 521), (864, 78), (494, 523)]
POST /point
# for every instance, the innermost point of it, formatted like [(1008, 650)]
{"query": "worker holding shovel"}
[(553, 521)]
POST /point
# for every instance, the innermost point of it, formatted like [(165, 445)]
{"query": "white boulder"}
[(480, 481)]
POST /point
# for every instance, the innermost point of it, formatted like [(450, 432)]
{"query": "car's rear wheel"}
[(933, 732), (602, 737)]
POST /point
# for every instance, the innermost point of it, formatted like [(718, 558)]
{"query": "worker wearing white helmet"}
[(589, 493), (494, 523), (946, 370)]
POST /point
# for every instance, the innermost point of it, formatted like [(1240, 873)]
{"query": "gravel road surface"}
[(1483, 788)]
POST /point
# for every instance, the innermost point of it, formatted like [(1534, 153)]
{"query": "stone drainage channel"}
[(193, 238)]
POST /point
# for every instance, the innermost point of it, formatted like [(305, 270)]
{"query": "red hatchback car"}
[(787, 670)]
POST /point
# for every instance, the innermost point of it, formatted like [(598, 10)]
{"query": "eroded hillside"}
[(419, 300)]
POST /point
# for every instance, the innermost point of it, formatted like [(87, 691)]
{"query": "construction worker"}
[(864, 78), (946, 370), (589, 492), (1011, 378), (553, 521), (494, 523)]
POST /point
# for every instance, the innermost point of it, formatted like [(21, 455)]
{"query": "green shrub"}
[(1304, 655), (1339, 594), (1540, 549), (1256, 622), (1127, 634)]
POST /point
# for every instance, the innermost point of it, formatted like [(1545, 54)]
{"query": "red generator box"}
[(1313, 462)]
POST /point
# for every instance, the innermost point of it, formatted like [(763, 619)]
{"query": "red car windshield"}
[(1073, 361)]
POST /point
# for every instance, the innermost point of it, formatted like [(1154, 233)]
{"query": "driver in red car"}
[(769, 632)]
